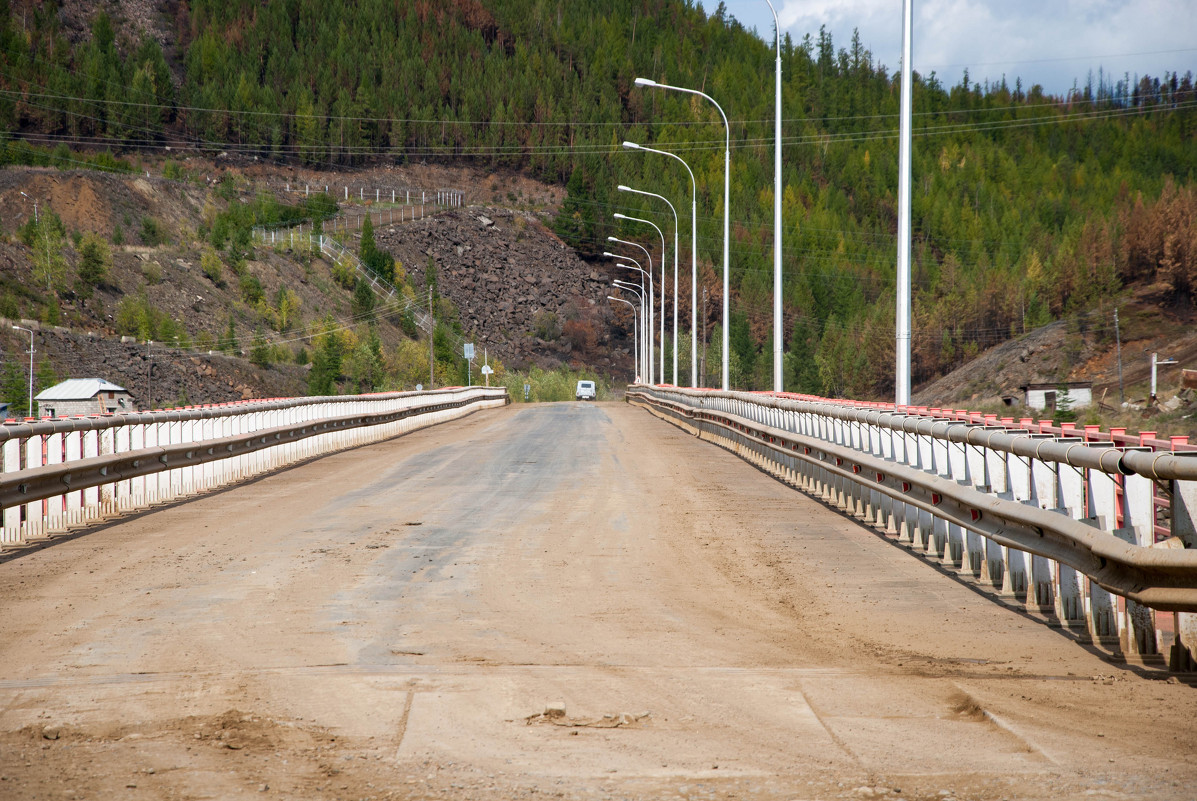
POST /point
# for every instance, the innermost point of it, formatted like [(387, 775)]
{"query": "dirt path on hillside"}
[(572, 601)]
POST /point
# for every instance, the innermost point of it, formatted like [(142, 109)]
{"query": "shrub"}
[(212, 267), (547, 326), (137, 317), (581, 334), (344, 274), (251, 289), (152, 232), (259, 351)]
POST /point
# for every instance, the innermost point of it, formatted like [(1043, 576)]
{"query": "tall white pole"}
[(29, 411), (726, 210), (902, 344), (639, 292), (726, 256), (648, 355), (648, 337), (664, 252), (623, 188), (777, 325), (693, 266), (637, 267), (635, 333)]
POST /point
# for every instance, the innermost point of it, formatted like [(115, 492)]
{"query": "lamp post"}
[(693, 266), (34, 206), (777, 333), (619, 216), (726, 208), (638, 267), (29, 411), (635, 335), (649, 335), (638, 292), (902, 289), (647, 298)]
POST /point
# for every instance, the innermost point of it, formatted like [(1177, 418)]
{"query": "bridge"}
[(687, 595)]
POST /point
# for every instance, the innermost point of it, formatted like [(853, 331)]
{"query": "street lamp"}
[(29, 412), (635, 334), (726, 208), (619, 216), (623, 188), (647, 298), (777, 381), (649, 336), (639, 293), (693, 266), (902, 284), (34, 206)]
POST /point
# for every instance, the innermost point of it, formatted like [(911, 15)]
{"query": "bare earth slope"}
[(1150, 322), (395, 622)]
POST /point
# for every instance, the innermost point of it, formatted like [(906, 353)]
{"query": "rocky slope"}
[(519, 291), (513, 282), (1083, 349)]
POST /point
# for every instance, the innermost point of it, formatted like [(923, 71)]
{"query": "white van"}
[(586, 391)]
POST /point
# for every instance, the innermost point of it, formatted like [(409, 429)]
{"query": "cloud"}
[(1050, 42)]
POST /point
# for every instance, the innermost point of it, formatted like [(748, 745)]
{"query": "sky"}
[(1049, 42)]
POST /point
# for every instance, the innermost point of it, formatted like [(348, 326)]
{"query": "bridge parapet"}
[(1094, 533), (57, 473)]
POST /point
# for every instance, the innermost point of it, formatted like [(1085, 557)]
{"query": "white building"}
[(83, 396), (1073, 394)]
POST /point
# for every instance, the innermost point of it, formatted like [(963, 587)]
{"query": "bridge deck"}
[(391, 622)]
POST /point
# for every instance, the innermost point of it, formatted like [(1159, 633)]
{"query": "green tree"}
[(326, 365), (229, 343), (288, 303), (46, 237), (365, 366), (259, 349), (95, 258), (16, 388), (362, 303)]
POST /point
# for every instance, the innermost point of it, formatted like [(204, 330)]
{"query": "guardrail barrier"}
[(1092, 532), (61, 472)]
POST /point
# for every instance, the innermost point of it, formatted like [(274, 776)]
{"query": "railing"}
[(1059, 523), (57, 473)]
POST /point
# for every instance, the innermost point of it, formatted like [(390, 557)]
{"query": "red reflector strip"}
[(936, 498)]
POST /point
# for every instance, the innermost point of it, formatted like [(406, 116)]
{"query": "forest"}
[(1027, 207)]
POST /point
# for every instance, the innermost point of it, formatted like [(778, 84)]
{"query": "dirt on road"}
[(567, 600)]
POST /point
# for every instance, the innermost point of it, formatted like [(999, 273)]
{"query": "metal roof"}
[(77, 389)]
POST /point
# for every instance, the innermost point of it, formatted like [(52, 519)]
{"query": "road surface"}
[(571, 601)]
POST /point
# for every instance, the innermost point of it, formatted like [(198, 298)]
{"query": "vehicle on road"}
[(586, 391)]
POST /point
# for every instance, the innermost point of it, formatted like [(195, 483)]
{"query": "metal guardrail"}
[(1063, 526), (66, 472)]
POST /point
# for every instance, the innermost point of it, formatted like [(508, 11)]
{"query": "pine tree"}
[(16, 389)]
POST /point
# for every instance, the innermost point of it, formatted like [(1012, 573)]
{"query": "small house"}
[(1069, 395), (83, 396)]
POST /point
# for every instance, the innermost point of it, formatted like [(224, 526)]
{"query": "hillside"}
[(231, 324), (1086, 349)]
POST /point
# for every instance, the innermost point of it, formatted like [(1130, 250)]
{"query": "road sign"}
[(468, 350), (487, 369), (527, 391)]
